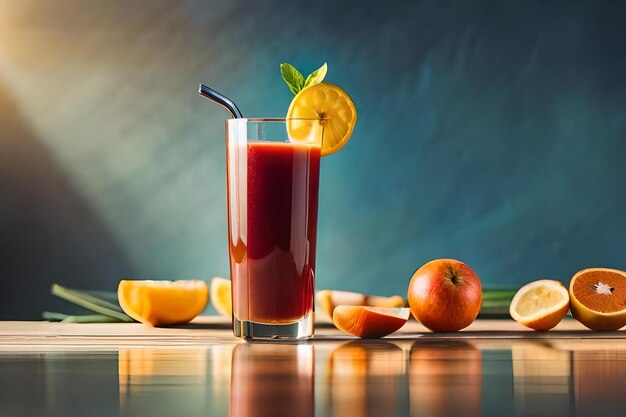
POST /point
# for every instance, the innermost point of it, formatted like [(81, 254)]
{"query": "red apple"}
[(445, 295)]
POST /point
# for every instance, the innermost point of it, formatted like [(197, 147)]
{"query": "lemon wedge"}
[(221, 296)]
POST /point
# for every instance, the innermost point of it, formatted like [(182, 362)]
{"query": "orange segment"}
[(369, 322), (599, 298), (324, 106), (540, 305), (395, 301), (327, 300), (162, 303), (221, 296)]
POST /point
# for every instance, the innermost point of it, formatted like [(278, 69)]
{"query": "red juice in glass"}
[(272, 221)]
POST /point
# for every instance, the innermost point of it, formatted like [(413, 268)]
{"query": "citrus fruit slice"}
[(540, 305), (162, 303), (322, 105), (598, 297), (395, 301), (369, 322), (221, 296), (327, 300)]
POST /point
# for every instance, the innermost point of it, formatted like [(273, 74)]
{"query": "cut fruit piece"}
[(395, 301), (163, 303), (322, 105), (598, 297), (327, 300), (369, 322), (540, 305), (221, 296)]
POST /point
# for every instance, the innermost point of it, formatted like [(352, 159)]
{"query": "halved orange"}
[(221, 297), (327, 300), (369, 322), (162, 303), (323, 106), (598, 298), (540, 305)]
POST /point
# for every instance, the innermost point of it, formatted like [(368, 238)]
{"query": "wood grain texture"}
[(212, 330)]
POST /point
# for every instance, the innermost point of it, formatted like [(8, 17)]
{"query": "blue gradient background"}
[(491, 132)]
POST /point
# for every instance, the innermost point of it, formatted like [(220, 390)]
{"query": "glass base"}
[(302, 329)]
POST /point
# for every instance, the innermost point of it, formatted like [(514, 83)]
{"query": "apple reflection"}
[(365, 379), (270, 379), (445, 379)]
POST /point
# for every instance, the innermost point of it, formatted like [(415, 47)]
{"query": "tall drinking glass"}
[(272, 183)]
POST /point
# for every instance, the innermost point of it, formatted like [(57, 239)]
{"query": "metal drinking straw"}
[(228, 104)]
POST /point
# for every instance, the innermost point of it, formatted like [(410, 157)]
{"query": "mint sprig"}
[(316, 76), (295, 80)]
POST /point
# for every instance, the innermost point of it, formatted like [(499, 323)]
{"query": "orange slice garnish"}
[(323, 108)]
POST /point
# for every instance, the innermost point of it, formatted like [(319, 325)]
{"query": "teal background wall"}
[(491, 132)]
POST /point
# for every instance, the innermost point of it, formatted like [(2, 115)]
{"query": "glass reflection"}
[(365, 378), (270, 379), (445, 378)]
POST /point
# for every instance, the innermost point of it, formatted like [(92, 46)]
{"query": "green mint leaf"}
[(293, 78), (316, 76)]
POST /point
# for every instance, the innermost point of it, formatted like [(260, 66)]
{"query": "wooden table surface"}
[(217, 330), (495, 367)]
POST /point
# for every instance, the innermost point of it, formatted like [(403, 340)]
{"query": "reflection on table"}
[(445, 378), (271, 379), (164, 381), (542, 380), (390, 377), (365, 378)]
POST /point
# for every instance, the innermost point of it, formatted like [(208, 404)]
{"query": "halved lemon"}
[(324, 106), (599, 298), (369, 322), (221, 296), (540, 305), (327, 300), (162, 303)]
